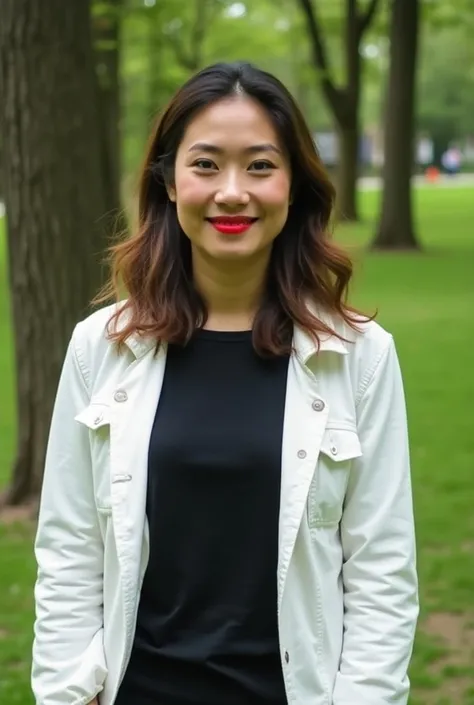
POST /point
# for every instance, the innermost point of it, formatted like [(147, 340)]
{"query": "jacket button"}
[(301, 454), (120, 396), (334, 450), (98, 419), (287, 657), (318, 405)]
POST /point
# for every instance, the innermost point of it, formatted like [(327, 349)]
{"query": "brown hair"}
[(154, 265)]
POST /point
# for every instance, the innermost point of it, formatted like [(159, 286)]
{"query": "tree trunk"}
[(348, 119), (55, 197), (396, 227), (344, 102), (156, 59), (107, 39), (349, 136)]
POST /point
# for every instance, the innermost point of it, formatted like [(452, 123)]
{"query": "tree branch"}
[(314, 28), (198, 33), (320, 56), (191, 59), (181, 56), (366, 18)]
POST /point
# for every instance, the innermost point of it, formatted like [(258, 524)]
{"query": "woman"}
[(226, 515)]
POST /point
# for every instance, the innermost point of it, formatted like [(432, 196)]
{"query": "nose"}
[(231, 191)]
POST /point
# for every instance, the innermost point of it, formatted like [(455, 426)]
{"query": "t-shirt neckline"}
[(224, 335)]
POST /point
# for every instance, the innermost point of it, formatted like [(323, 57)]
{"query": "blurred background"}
[(387, 87)]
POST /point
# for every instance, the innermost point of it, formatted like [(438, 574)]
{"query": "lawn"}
[(427, 301)]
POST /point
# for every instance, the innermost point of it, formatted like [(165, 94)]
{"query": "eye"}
[(205, 164), (261, 165)]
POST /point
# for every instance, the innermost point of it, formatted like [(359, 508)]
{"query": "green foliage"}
[(446, 83), (163, 44), (440, 14), (164, 41)]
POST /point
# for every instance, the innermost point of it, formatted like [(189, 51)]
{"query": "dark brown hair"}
[(154, 265)]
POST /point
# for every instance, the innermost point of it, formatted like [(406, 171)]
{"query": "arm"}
[(68, 660), (377, 533)]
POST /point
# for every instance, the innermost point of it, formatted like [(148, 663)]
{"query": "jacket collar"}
[(304, 345)]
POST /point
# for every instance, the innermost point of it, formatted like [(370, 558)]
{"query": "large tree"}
[(396, 227), (107, 17), (343, 101), (55, 195)]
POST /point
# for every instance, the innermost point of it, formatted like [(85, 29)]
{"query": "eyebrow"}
[(214, 149)]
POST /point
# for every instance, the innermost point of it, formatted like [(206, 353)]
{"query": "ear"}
[(171, 191)]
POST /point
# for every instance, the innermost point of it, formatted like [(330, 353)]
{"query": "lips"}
[(232, 224), (232, 220)]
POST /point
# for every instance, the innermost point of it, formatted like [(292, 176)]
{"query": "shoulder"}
[(372, 355), (90, 340), (366, 339), (369, 347), (370, 340), (93, 330)]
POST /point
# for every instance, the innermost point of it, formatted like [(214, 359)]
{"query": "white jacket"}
[(347, 587)]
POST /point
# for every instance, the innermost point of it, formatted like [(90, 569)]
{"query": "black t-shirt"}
[(207, 630)]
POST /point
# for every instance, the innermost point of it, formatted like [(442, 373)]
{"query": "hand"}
[(94, 702)]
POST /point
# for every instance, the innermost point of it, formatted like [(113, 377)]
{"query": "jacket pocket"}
[(328, 488), (96, 417)]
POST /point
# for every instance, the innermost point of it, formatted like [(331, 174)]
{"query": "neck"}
[(232, 290)]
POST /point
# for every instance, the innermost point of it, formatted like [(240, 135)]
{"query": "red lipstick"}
[(232, 224)]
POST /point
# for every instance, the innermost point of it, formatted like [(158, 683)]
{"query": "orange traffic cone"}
[(432, 174)]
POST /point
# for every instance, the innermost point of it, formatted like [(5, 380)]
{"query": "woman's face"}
[(232, 181)]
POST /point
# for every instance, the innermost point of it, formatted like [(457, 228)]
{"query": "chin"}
[(233, 250), (229, 254)]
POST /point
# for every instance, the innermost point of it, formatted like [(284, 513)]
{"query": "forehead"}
[(234, 121)]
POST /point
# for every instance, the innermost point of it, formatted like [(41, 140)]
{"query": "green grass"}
[(427, 301)]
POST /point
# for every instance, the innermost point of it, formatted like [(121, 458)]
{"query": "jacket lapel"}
[(305, 421), (306, 417), (133, 407)]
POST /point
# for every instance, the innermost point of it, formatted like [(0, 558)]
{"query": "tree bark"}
[(344, 102), (396, 227), (107, 39), (155, 53), (348, 119), (55, 197), (349, 137)]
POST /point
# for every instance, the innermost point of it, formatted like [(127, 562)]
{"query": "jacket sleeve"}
[(378, 539), (68, 657)]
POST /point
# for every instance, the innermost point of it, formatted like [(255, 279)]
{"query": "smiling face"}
[(232, 181)]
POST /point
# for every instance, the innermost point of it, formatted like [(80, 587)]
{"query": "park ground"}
[(427, 301)]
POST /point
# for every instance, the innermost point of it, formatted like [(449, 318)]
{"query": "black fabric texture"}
[(207, 630)]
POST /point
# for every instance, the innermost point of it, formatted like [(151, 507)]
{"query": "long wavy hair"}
[(154, 265)]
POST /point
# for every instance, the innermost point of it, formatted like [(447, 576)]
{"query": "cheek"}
[(191, 192), (276, 192)]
